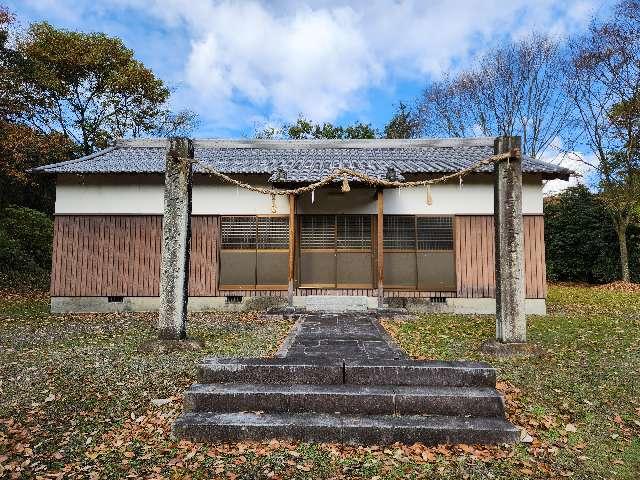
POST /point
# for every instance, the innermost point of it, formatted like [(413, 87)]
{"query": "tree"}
[(90, 88), (175, 124), (580, 241), (11, 102), (21, 147), (604, 86), (403, 124), (25, 248), (306, 129), (514, 89)]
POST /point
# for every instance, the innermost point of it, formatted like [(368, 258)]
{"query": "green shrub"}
[(26, 237), (580, 240)]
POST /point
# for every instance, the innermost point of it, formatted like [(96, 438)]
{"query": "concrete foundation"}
[(487, 306), (470, 306), (152, 304)]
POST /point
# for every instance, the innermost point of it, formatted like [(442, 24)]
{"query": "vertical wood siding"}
[(115, 255), (535, 267), (112, 255), (475, 261), (203, 261)]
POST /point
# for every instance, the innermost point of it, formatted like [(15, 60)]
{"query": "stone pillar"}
[(380, 248), (176, 239), (292, 248), (511, 324)]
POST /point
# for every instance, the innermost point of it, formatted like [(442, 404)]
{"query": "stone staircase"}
[(359, 400), (335, 303)]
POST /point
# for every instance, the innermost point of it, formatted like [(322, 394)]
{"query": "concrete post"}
[(380, 247), (176, 239), (292, 248), (511, 324)]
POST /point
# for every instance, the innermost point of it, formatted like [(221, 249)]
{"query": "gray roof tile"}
[(304, 161)]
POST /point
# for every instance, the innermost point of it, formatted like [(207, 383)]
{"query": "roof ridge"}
[(391, 143), (314, 143), (74, 160)]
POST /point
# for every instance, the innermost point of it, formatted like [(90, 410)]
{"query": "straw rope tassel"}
[(345, 184), (429, 198), (273, 204)]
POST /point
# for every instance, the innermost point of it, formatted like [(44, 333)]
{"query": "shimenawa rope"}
[(345, 173)]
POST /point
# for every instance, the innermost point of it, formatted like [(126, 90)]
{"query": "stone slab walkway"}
[(346, 336)]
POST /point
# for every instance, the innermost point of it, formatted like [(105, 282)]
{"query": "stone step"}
[(272, 370), (292, 370), (353, 429), (335, 303), (419, 372), (347, 399)]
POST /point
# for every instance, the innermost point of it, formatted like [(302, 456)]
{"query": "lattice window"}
[(354, 232), (435, 233), (318, 231), (238, 233), (273, 233), (399, 232)]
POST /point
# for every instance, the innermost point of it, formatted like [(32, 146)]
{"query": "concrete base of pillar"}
[(499, 349)]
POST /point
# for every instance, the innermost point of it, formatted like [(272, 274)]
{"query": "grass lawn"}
[(76, 397)]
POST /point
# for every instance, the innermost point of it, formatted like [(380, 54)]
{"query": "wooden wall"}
[(119, 255), (475, 261), (204, 260)]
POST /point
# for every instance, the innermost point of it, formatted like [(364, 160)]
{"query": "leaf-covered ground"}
[(577, 396), (79, 400)]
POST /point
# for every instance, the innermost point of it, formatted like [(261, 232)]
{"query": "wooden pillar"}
[(176, 237), (292, 247), (511, 324), (380, 248)]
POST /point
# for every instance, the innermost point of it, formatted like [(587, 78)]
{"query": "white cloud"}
[(582, 164), (311, 62), (323, 58)]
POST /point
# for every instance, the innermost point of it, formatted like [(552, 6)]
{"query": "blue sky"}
[(247, 63)]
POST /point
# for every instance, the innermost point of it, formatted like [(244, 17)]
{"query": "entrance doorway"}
[(336, 251)]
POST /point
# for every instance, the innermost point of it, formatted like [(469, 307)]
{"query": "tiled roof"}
[(303, 160)]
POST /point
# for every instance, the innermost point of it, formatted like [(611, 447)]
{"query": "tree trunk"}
[(621, 230)]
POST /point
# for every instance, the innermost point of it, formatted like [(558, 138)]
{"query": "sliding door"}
[(238, 252), (254, 252), (318, 251), (418, 253), (335, 251), (435, 258), (354, 267), (400, 269), (272, 253)]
